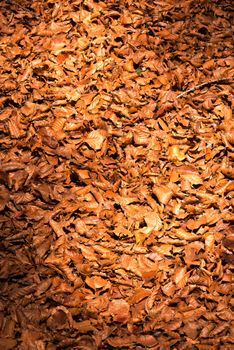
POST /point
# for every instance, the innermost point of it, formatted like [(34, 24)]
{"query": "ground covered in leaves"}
[(116, 188)]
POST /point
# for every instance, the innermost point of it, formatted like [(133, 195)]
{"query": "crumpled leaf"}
[(153, 222), (4, 197), (119, 310), (95, 139), (116, 175), (163, 193), (96, 282)]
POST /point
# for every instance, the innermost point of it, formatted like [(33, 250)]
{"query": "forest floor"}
[(116, 174)]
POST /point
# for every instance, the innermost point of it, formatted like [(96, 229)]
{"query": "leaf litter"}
[(116, 175)]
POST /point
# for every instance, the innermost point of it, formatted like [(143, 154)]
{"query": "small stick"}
[(210, 82)]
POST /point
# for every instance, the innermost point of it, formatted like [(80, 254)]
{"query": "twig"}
[(210, 82)]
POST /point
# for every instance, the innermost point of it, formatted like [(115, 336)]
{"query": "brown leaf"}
[(119, 310), (153, 222), (49, 137), (116, 169), (168, 289), (180, 276), (59, 318), (139, 295), (5, 114), (7, 344), (95, 139), (12, 166), (4, 197), (176, 152), (163, 193), (96, 282)]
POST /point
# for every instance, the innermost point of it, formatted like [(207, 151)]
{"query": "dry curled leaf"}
[(95, 139), (49, 137), (163, 193), (176, 152), (4, 197), (116, 175), (119, 310), (96, 282)]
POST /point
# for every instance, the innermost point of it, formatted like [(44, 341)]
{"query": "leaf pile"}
[(116, 197)]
